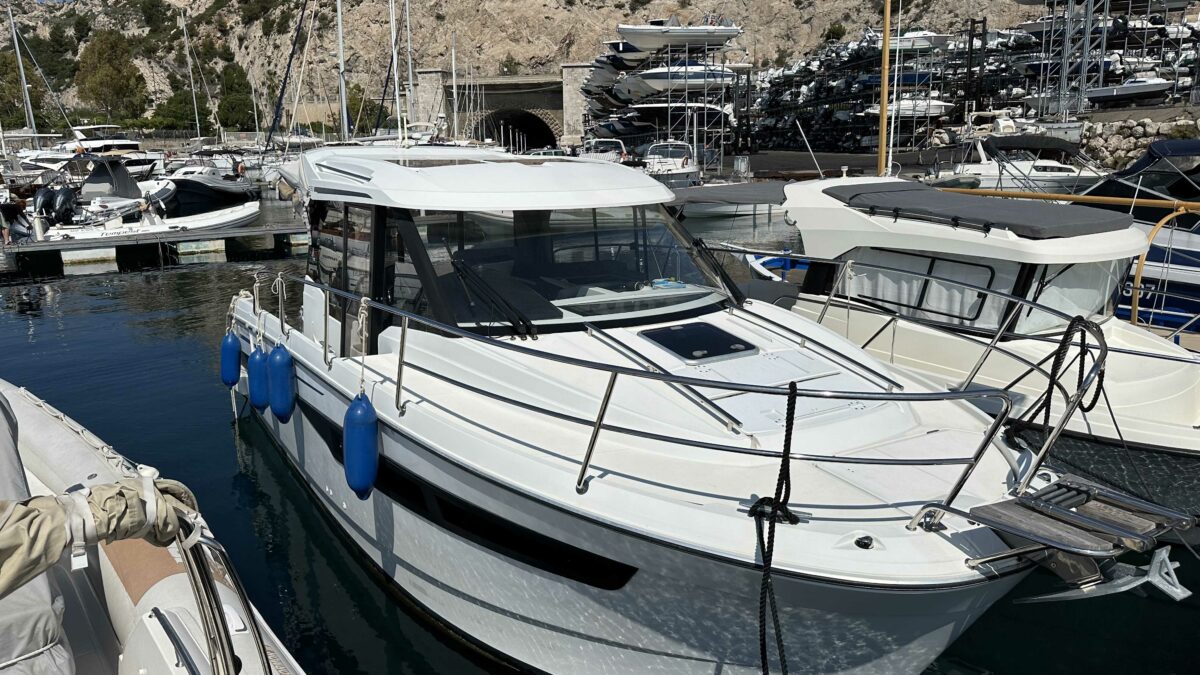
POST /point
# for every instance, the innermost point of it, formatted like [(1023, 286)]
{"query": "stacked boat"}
[(658, 77)]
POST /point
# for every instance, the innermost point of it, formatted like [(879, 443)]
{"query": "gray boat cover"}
[(1032, 220), (766, 192), (31, 633)]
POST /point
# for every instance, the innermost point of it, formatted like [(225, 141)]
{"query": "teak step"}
[(1013, 518)]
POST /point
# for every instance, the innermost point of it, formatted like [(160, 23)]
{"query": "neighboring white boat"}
[(688, 76), (919, 40), (672, 163), (1134, 89), (1070, 259), (581, 502), (914, 107), (656, 35), (1028, 163), (125, 605), (111, 204)]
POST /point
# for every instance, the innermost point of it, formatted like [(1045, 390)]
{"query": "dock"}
[(86, 256)]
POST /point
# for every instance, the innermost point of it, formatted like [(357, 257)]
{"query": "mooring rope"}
[(1074, 327), (772, 509)]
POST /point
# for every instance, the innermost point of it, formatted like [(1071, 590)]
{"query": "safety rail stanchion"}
[(401, 408), (581, 481), (1000, 331), (842, 273), (325, 351)]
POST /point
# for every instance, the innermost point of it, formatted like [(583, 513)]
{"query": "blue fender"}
[(256, 374), (281, 376), (360, 446), (231, 359)]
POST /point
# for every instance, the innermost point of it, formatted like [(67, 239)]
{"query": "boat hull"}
[(471, 560)]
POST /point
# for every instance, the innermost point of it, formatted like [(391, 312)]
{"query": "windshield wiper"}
[(731, 288), (469, 277)]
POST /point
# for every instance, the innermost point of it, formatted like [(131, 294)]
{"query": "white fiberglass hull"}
[(499, 556), (233, 217), (650, 38), (681, 612)]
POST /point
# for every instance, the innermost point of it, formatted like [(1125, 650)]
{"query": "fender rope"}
[(772, 509)]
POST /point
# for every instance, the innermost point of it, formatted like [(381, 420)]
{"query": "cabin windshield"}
[(605, 146), (1077, 289), (670, 151), (561, 267)]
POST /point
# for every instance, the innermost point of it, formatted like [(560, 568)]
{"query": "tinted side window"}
[(326, 222)]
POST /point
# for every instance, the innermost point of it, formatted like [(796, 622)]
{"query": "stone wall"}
[(1118, 144)]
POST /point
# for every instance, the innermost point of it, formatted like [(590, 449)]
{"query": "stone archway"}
[(538, 128)]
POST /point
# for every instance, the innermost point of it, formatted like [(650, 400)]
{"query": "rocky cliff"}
[(513, 35)]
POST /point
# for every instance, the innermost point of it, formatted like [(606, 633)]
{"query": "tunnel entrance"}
[(526, 129)]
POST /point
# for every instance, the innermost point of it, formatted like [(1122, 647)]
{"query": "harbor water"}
[(134, 358)]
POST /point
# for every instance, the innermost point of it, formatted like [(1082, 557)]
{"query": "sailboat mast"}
[(408, 53), (396, 75), (29, 121), (187, 52), (454, 80), (344, 107), (881, 163)]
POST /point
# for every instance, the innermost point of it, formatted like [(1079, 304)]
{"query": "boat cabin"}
[(500, 244), (1069, 258)]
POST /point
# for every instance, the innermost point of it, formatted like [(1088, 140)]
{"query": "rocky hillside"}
[(520, 35)]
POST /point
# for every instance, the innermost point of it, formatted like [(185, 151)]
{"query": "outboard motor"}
[(64, 206), (43, 202)]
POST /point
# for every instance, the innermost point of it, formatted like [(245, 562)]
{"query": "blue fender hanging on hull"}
[(281, 375), (256, 376), (360, 446), (231, 359)]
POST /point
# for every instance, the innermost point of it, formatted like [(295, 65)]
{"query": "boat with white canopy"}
[(982, 252), (545, 412)]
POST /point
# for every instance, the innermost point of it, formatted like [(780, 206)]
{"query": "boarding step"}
[(1083, 518)]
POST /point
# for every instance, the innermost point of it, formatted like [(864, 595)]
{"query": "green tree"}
[(177, 113), (234, 80), (363, 111), (510, 65), (12, 103), (55, 55), (108, 79), (236, 112), (835, 32)]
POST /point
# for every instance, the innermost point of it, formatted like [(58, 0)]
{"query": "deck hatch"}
[(699, 342)]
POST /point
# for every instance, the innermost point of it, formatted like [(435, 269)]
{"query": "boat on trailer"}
[(548, 416), (104, 598), (1010, 276)]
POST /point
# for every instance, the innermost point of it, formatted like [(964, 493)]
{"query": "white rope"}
[(30, 655), (364, 315), (233, 306), (279, 288)]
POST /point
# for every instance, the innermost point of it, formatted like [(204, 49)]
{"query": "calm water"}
[(134, 358)]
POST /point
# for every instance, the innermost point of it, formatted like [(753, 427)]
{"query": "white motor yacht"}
[(111, 204), (688, 75), (1133, 90), (102, 599), (672, 163), (1026, 162), (1069, 260), (545, 414), (670, 34)]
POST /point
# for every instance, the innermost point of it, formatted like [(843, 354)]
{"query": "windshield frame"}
[(455, 241)]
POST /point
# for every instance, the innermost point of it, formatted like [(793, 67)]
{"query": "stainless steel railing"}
[(198, 560), (1004, 330), (597, 423)]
